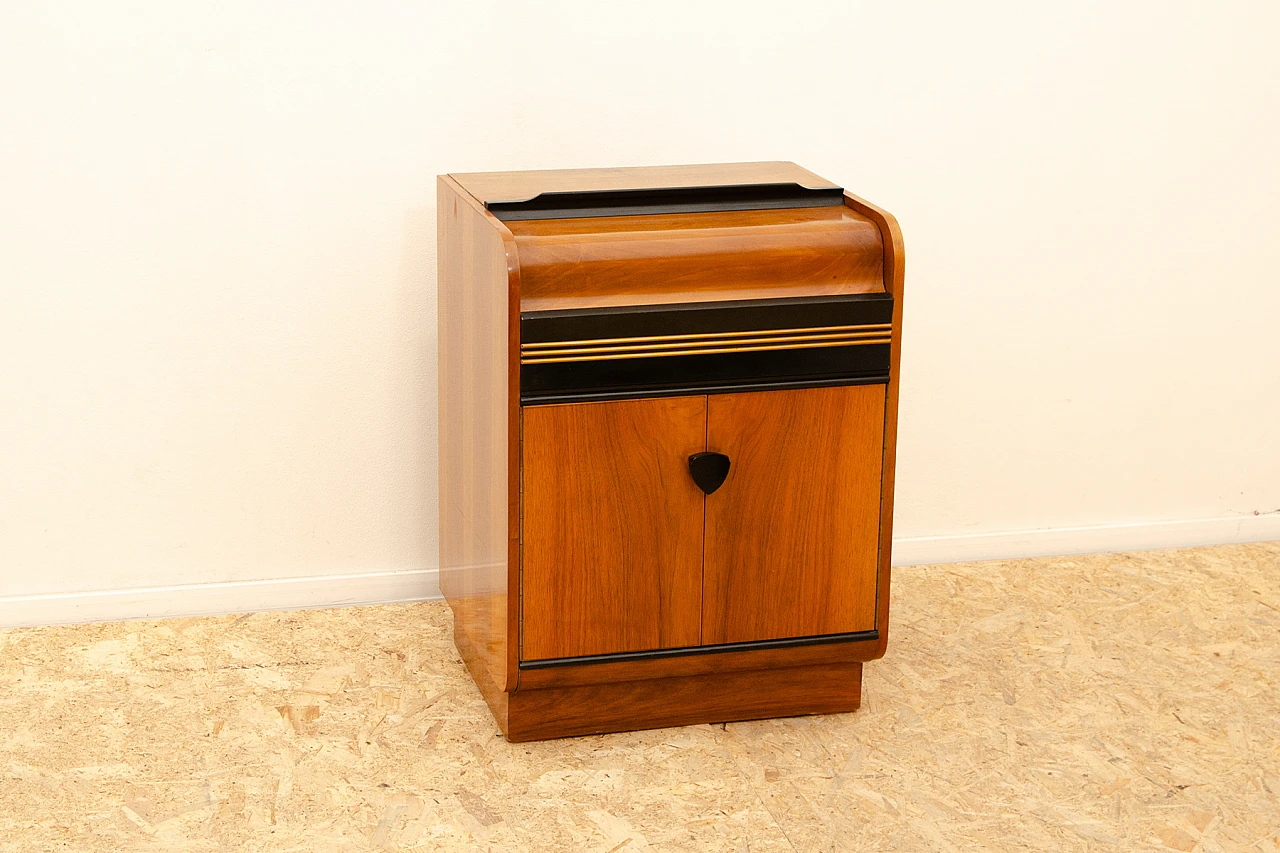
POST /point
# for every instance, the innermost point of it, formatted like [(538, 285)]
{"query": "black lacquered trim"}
[(662, 654), (742, 345), (638, 202), (682, 390), (703, 374), (705, 317)]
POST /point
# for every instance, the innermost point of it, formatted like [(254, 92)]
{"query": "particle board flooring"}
[(1119, 702)]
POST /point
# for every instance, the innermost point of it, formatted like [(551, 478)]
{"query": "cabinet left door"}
[(611, 527)]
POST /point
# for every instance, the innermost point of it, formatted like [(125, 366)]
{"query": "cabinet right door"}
[(792, 534)]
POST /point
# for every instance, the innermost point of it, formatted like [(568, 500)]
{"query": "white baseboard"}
[(210, 599), (1095, 539), (424, 584)]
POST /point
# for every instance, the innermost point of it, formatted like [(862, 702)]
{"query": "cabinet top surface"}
[(489, 187)]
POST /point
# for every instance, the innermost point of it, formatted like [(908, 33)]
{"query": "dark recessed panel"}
[(638, 202)]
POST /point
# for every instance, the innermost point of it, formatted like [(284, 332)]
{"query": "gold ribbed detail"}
[(873, 327), (655, 346)]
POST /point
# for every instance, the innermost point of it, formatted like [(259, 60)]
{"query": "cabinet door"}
[(612, 527), (792, 535)]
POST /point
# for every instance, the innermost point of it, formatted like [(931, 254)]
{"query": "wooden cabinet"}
[(667, 420)]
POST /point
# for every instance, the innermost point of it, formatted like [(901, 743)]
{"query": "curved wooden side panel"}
[(478, 292), (894, 260)]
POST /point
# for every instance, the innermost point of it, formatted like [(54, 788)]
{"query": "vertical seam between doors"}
[(702, 599)]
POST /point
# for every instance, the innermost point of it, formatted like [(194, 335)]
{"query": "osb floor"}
[(1122, 702)]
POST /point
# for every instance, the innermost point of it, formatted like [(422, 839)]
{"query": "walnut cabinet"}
[(668, 405)]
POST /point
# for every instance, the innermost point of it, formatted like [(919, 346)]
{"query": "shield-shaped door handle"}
[(709, 470)]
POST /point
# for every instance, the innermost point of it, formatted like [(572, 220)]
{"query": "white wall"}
[(217, 262)]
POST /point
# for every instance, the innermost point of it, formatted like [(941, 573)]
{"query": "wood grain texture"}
[(894, 278), (701, 664), (478, 443), (650, 260), (612, 527), (715, 698), (472, 620), (792, 535), (696, 257), (518, 186)]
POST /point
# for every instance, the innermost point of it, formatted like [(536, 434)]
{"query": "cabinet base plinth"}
[(555, 712)]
